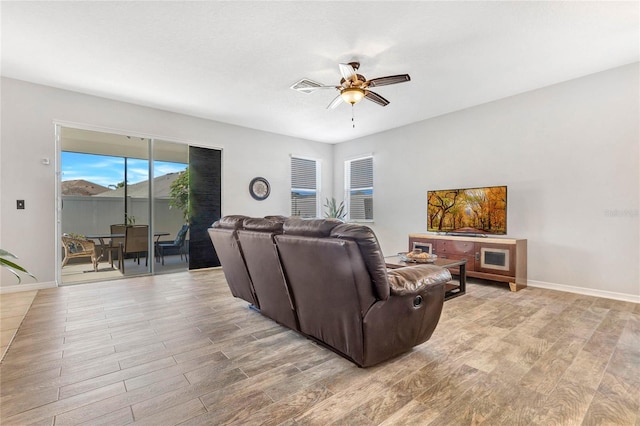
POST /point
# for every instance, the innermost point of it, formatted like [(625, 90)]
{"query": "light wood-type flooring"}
[(179, 349), (13, 308)]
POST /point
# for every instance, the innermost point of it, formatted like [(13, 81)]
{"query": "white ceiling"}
[(234, 61)]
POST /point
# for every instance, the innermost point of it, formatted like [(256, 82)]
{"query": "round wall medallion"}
[(259, 188)]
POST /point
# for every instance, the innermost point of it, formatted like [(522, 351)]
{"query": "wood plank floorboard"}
[(179, 349)]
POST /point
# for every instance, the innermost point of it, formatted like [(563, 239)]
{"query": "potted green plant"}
[(131, 220), (13, 267), (334, 210)]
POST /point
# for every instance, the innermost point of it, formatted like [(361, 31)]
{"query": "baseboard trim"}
[(531, 283), (210, 268), (27, 287), (585, 291)]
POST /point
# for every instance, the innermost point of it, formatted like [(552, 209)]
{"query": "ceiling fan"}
[(353, 86)]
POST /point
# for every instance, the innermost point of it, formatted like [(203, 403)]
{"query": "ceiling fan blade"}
[(390, 79), (374, 97), (334, 103), (347, 71), (309, 86)]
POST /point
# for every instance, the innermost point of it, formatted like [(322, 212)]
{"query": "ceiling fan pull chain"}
[(353, 119)]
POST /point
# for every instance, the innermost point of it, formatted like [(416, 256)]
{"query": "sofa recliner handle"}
[(417, 301)]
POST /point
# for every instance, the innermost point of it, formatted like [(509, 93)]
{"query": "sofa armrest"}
[(409, 317), (414, 279)]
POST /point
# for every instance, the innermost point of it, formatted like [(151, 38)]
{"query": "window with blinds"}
[(305, 176), (359, 187)]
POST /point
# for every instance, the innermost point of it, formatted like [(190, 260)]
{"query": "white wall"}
[(28, 113), (569, 156)]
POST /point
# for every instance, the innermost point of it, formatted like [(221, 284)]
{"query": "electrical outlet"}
[(20, 204)]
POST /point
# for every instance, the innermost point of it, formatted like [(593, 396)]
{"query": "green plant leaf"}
[(179, 194), (4, 253), (334, 210), (14, 273), (11, 266)]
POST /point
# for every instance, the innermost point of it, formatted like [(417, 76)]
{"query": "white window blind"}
[(304, 187), (359, 187)]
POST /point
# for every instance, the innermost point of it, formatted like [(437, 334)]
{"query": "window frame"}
[(348, 188), (318, 164)]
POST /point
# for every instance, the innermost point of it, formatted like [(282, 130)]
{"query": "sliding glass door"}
[(134, 206), (110, 224), (104, 190), (171, 206)]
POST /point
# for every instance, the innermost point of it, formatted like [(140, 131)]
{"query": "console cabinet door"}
[(497, 259)]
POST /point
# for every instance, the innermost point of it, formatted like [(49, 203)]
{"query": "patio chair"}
[(178, 243), (75, 247), (115, 243), (136, 241)]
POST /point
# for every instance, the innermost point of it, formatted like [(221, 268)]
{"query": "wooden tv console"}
[(489, 258)]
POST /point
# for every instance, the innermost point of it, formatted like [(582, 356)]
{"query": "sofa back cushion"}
[(277, 218), (263, 263), (230, 222), (262, 225), (310, 227), (331, 288), (371, 254), (224, 237)]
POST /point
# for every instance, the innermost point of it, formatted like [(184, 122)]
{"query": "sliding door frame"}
[(59, 125)]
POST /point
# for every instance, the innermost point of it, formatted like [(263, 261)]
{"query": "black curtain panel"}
[(205, 197)]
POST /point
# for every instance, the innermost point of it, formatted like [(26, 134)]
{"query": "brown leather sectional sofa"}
[(327, 280)]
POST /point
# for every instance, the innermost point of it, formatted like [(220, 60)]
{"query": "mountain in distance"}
[(161, 188), (161, 184), (82, 187)]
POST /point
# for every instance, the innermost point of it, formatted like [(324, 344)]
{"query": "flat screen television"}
[(468, 210)]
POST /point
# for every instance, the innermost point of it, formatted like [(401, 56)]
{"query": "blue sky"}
[(106, 170)]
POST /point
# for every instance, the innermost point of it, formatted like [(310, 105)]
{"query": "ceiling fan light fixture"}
[(352, 95)]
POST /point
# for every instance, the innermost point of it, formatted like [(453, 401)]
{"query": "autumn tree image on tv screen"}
[(474, 210)]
